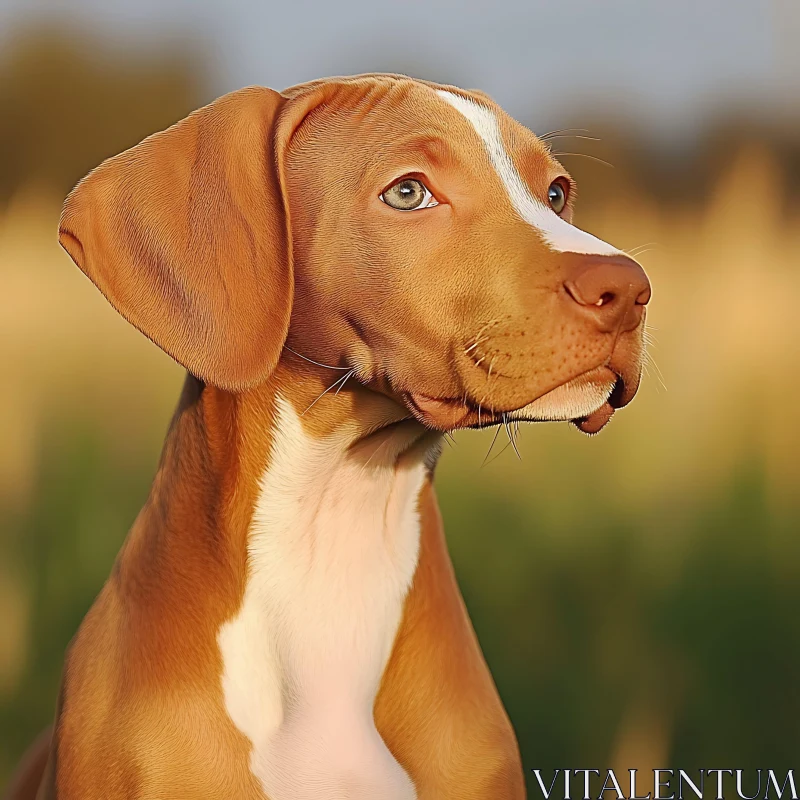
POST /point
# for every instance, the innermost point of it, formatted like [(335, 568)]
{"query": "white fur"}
[(332, 550), (578, 398), (557, 233)]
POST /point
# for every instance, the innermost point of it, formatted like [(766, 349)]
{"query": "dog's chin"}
[(587, 401), (584, 401)]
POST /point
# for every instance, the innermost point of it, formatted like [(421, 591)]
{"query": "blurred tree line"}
[(67, 103)]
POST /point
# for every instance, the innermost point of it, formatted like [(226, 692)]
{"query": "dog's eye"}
[(409, 194), (557, 195)]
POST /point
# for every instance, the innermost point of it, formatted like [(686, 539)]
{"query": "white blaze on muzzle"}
[(557, 233)]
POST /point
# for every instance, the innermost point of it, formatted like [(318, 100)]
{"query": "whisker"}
[(650, 340), (487, 325), (511, 439), (342, 380), (649, 361), (311, 360), (572, 136), (489, 451), (659, 375), (377, 450), (500, 453), (480, 337), (561, 131), (641, 248), (586, 155), (480, 340)]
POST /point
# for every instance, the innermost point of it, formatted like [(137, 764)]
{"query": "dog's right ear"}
[(187, 235)]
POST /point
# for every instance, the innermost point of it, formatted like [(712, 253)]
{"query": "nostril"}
[(591, 296), (605, 299), (612, 290)]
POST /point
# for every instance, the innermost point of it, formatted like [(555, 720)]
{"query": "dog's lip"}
[(451, 413), (596, 421), (600, 417), (440, 412)]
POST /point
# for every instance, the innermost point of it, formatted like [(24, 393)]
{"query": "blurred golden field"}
[(636, 593)]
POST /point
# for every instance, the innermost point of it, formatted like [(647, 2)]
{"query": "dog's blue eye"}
[(557, 195)]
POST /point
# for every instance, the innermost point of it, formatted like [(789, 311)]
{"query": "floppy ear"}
[(187, 236)]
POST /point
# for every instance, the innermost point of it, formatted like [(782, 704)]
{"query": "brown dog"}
[(346, 270)]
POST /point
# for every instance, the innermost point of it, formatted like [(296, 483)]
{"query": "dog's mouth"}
[(587, 401)]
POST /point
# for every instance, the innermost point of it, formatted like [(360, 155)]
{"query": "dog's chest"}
[(332, 551)]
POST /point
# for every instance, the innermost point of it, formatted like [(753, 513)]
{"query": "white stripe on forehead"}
[(557, 233)]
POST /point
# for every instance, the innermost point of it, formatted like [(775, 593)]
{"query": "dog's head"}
[(412, 232)]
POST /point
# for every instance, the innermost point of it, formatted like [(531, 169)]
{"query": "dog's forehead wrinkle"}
[(558, 234), (380, 118)]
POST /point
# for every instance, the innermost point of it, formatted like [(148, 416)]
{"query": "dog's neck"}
[(309, 509), (219, 445)]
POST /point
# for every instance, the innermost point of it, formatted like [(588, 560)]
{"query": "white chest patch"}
[(557, 233), (333, 547)]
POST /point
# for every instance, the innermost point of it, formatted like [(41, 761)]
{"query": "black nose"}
[(612, 290)]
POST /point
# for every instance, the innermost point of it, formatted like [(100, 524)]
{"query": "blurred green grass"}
[(636, 593), (575, 631)]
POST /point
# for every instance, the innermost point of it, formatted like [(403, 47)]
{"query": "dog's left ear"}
[(187, 235)]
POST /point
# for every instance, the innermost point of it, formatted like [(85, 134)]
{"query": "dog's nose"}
[(612, 290)]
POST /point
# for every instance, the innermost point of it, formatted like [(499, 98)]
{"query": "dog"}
[(348, 270)]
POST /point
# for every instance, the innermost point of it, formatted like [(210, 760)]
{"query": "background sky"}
[(670, 65)]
